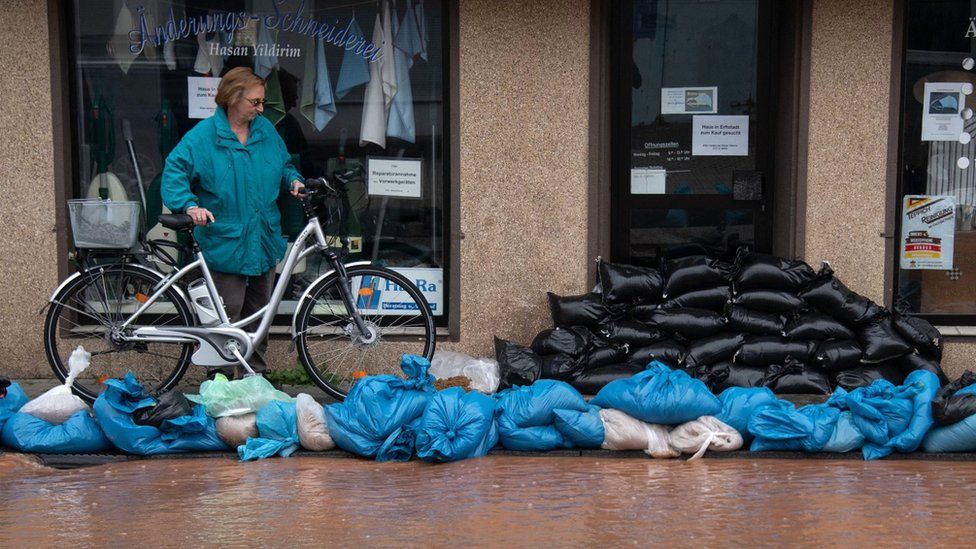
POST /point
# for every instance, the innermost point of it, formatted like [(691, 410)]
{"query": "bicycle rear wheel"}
[(331, 347), (89, 312)]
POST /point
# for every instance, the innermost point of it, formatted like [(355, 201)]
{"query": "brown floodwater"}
[(499, 500)]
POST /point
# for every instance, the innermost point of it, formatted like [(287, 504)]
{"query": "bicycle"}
[(357, 319)]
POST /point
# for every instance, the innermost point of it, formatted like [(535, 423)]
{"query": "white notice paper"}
[(928, 232), (720, 136), (941, 106), (647, 180), (397, 177), (201, 91), (689, 100)]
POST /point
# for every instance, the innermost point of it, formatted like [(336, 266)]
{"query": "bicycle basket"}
[(104, 224)]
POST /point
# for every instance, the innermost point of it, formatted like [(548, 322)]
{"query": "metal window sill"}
[(957, 331)]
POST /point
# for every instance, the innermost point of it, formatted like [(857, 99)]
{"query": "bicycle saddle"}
[(177, 222)]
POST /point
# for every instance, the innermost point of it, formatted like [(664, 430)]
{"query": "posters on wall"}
[(928, 228), (702, 100), (383, 297), (941, 108), (720, 135), (201, 94), (394, 177)]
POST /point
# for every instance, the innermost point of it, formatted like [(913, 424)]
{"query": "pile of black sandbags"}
[(760, 321)]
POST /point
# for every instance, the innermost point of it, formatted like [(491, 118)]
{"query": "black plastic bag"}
[(835, 356), (911, 362), (768, 301), (169, 405), (4, 383), (919, 333), (714, 349), (766, 272), (687, 323), (604, 354), (578, 310), (695, 273), (722, 375), (880, 342), (590, 382), (517, 365), (560, 366), (949, 407), (796, 378), (866, 375), (831, 296), (631, 333), (769, 350), (748, 321), (572, 341), (712, 299), (628, 284), (666, 351), (816, 326)]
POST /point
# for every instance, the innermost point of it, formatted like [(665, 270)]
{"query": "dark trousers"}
[(243, 295)]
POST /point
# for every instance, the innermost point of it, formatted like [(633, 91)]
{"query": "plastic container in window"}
[(104, 224)]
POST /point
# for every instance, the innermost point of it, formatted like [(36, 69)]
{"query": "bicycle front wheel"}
[(330, 345)]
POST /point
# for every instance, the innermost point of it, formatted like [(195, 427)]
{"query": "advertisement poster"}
[(201, 91), (941, 106), (928, 229), (396, 177), (382, 297), (720, 136), (648, 180), (689, 100)]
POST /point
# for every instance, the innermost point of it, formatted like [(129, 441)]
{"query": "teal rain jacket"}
[(239, 184)]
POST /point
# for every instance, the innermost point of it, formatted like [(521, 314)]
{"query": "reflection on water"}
[(494, 500)]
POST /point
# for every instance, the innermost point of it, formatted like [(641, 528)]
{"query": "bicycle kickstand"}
[(240, 358)]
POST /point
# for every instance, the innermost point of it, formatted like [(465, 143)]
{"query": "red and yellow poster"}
[(928, 229)]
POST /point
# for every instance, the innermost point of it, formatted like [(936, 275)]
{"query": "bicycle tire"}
[(415, 335), (60, 338)]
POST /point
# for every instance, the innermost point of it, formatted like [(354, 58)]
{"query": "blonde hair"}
[(233, 84)]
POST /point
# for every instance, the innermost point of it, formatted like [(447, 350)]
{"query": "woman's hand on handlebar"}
[(297, 188), (201, 216)]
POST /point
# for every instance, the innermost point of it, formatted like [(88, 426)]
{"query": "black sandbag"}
[(950, 407), (767, 272), (604, 354), (835, 356), (517, 365), (880, 342), (742, 319), (572, 341), (688, 323), (4, 383), (591, 381), (769, 301), (863, 376), (714, 349), (912, 361), (628, 284), (169, 405), (631, 333), (769, 350), (695, 273), (578, 310), (712, 299), (796, 378), (561, 366), (831, 296), (919, 333), (816, 326), (722, 375), (666, 351)]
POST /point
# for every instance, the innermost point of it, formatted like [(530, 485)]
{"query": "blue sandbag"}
[(526, 415), (956, 437), (659, 395), (401, 444), (582, 429), (740, 403), (456, 425), (115, 406), (807, 429), (79, 434), (378, 406), (846, 436), (277, 424), (15, 400)]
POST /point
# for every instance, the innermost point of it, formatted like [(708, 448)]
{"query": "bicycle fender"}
[(75, 275), (64, 283), (308, 290)]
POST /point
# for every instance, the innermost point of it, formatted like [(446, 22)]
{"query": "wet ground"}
[(521, 501)]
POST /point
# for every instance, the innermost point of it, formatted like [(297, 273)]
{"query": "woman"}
[(227, 173)]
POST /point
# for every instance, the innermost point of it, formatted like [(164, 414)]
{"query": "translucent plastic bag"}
[(483, 372), (623, 432), (58, 404), (705, 433), (235, 430), (222, 397), (313, 430)]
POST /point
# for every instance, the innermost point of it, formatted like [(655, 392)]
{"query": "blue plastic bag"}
[(113, 412), (378, 406), (957, 437), (277, 423), (659, 395), (807, 429), (401, 443), (526, 415), (456, 425), (740, 403), (15, 400), (582, 429), (846, 436), (79, 434)]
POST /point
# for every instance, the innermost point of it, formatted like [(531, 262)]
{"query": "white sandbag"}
[(705, 433), (235, 430), (313, 431), (58, 404), (623, 432), (483, 372)]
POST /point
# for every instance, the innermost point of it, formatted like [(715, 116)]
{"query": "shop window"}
[(140, 71), (936, 236)]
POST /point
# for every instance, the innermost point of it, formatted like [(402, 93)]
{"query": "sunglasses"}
[(256, 102)]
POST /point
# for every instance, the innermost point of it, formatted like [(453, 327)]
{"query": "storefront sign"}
[(396, 177), (201, 92), (942, 104), (928, 232), (383, 297), (689, 100), (648, 180), (720, 136)]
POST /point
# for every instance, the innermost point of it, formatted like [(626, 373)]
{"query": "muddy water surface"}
[(490, 501)]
